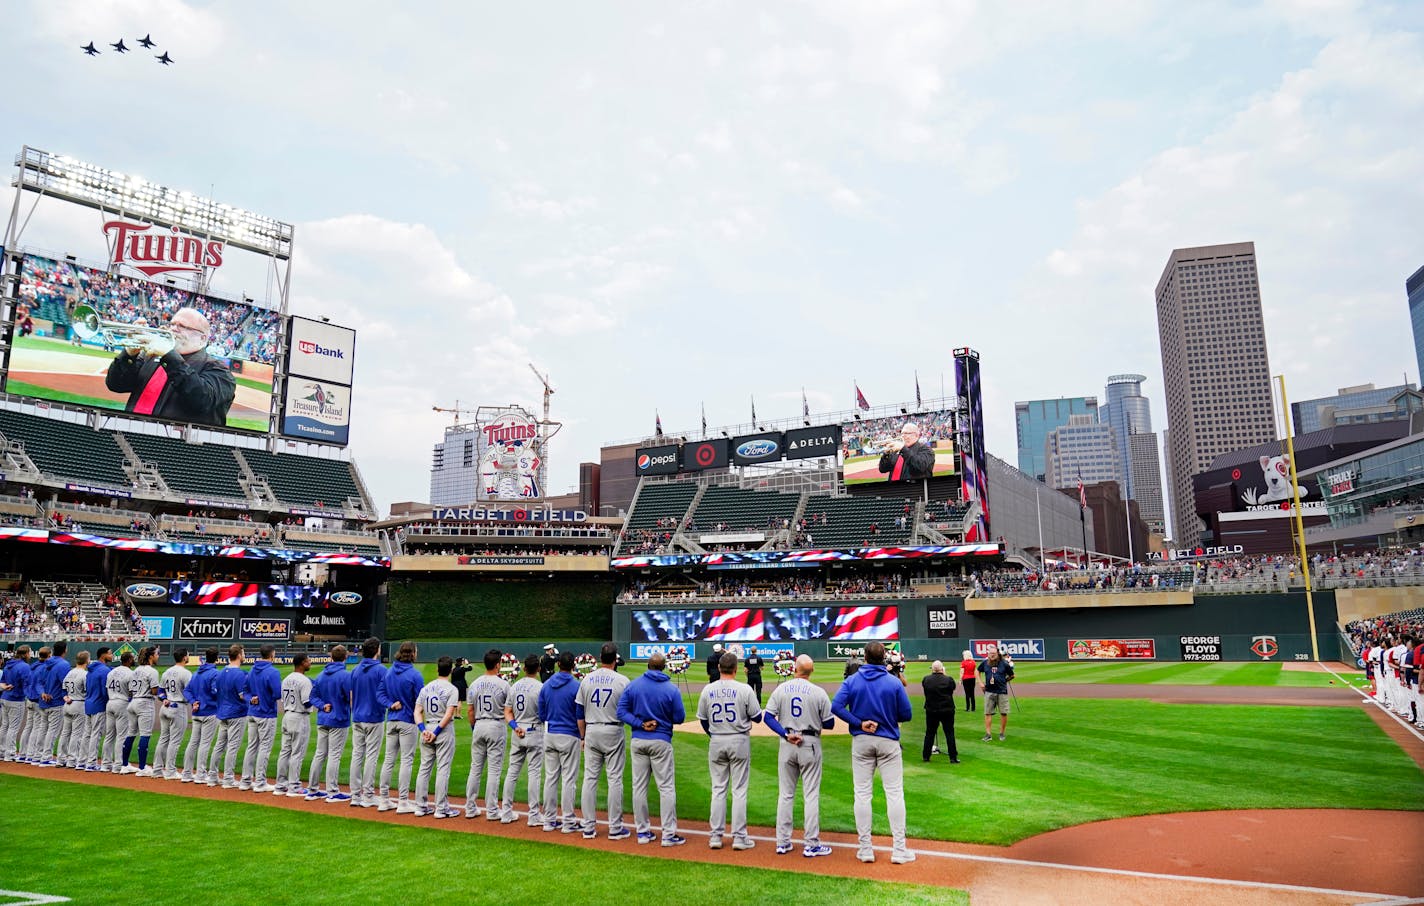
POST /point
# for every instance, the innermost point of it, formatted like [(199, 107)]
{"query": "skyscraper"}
[(1084, 449), (1414, 287), (1146, 468), (1215, 370), (1129, 413), (1312, 415), (1035, 418)]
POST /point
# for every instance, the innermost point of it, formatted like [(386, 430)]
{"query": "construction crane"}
[(545, 424), (457, 411)]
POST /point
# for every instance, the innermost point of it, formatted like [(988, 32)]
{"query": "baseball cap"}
[(717, 647), (549, 647)]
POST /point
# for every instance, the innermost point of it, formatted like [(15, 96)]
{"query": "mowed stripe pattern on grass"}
[(281, 856)]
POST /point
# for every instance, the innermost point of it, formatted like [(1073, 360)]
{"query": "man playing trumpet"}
[(180, 383), (907, 459)]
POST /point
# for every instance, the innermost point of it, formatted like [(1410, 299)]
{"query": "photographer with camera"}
[(995, 674)]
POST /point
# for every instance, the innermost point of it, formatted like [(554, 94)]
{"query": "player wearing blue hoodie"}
[(874, 703), (96, 701), (397, 692), (202, 693), (13, 682), (367, 715), (52, 704), (264, 695), (331, 698), (652, 706), (558, 714), (33, 734), (231, 715)]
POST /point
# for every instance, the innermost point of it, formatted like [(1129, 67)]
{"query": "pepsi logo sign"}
[(345, 598), (644, 461), (146, 591), (755, 449)]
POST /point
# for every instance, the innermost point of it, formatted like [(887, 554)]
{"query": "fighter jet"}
[(91, 50), (120, 46), (146, 41), (165, 59)]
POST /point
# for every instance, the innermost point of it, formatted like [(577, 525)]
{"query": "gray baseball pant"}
[(33, 732), (72, 741), (94, 738), (296, 732), (261, 733), (605, 748), (561, 761), (53, 725), (365, 753), (729, 758), (172, 724), (225, 752), (439, 754), (12, 722), (142, 716), (528, 750), (330, 741), (869, 754), (200, 748), (401, 740), (803, 762), (116, 729), (653, 758), (487, 758)]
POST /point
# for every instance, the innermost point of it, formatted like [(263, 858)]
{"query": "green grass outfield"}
[(1069, 761), (221, 851), (1250, 673)]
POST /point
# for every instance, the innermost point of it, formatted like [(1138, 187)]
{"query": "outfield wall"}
[(1275, 623), (468, 608)]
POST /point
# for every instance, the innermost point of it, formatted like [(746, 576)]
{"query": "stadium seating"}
[(67, 450), (300, 544), (661, 500), (199, 469), (741, 509), (850, 520), (305, 480)]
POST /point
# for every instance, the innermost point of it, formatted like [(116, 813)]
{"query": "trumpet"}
[(84, 320)]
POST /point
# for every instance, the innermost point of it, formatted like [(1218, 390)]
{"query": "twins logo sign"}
[(1264, 646)]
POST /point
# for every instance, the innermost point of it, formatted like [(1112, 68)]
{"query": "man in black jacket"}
[(939, 709), (547, 665), (713, 671), (907, 459), (181, 383), (753, 663)]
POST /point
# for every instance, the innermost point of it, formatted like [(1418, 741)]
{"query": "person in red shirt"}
[(966, 676)]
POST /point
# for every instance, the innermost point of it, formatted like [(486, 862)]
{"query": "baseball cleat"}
[(812, 852), (985, 738), (714, 842), (551, 826), (144, 772), (405, 808), (384, 806), (569, 829), (314, 795), (128, 769), (783, 848), (338, 797), (1001, 737), (674, 840), (646, 837), (902, 858), (446, 813), (590, 835), (743, 844), (507, 819), (297, 793), (865, 855), (621, 834)]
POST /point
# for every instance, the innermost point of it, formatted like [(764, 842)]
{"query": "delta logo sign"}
[(152, 250)]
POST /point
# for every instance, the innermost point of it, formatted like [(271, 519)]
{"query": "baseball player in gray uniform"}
[(173, 716), (296, 729), (143, 706), (727, 710), (202, 694), (333, 723), (605, 742), (521, 713), (487, 697), (797, 712), (434, 719), (116, 713), (73, 736)]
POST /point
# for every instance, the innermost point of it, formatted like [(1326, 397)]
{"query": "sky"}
[(665, 206)]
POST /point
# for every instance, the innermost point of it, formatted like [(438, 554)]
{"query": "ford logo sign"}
[(146, 590), (756, 449), (644, 461), (345, 598)]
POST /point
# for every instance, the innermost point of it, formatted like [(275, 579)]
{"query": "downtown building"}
[(1215, 370), (1414, 289), (1130, 415), (1034, 419), (1083, 450)]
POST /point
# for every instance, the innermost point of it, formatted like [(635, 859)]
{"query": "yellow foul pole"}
[(1299, 521)]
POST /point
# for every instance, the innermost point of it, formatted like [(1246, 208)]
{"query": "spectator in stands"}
[(183, 383)]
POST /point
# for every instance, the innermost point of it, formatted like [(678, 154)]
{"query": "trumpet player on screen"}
[(907, 459), (174, 380)]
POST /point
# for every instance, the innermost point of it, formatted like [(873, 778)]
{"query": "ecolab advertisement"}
[(316, 410), (321, 351)]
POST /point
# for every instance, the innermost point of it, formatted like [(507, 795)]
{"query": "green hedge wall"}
[(420, 608)]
